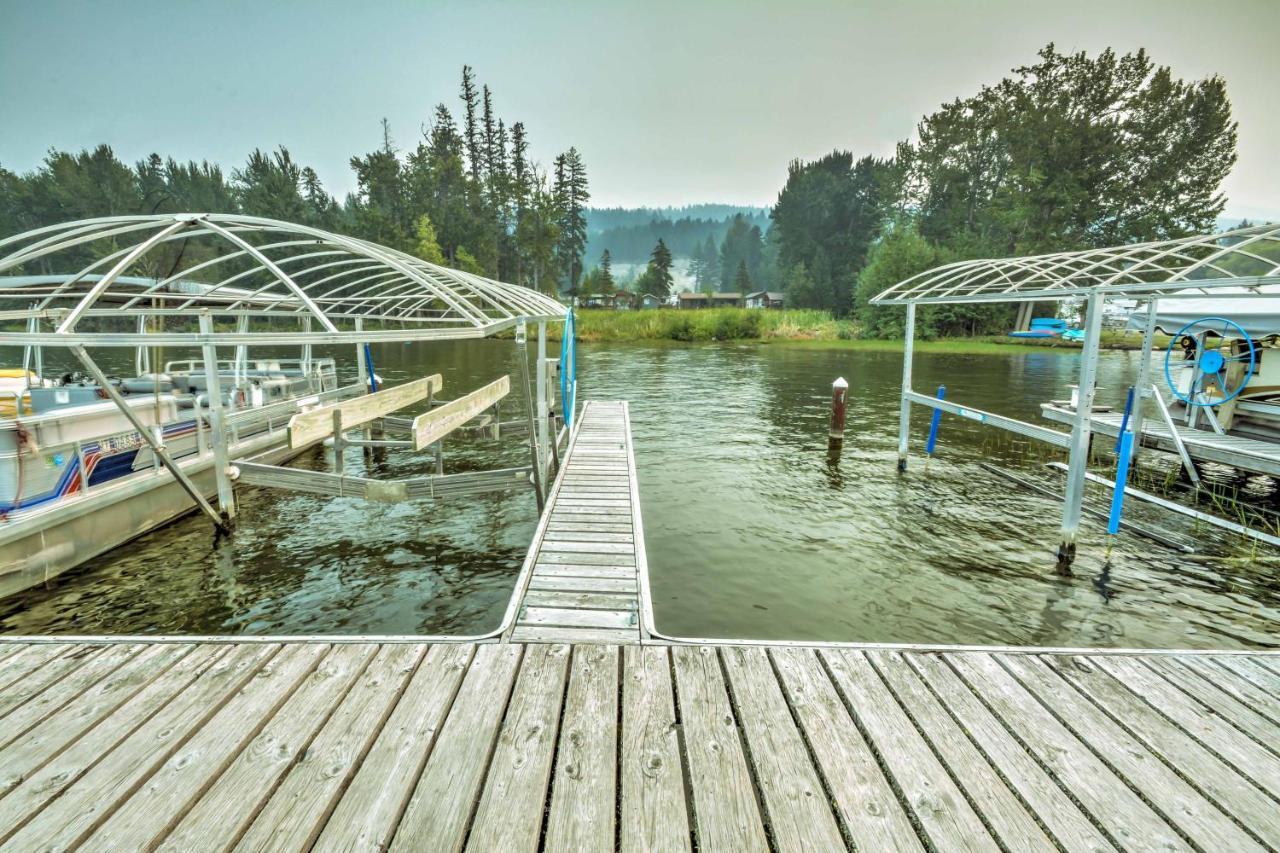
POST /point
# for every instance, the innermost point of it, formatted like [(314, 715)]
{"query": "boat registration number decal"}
[(118, 443)]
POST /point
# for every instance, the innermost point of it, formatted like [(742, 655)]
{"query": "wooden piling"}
[(839, 390)]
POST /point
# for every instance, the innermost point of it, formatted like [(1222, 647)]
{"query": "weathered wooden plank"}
[(41, 786), (654, 812), (568, 521), (580, 600), (1181, 803), (605, 513), (27, 754), (1209, 720), (1001, 809), (1209, 774), (94, 668), (226, 808), (300, 806), (559, 535), (429, 427), (66, 820), (584, 791), (35, 671), (577, 618), (1070, 827), (576, 559), (562, 634), (509, 816), (584, 547), (444, 800), (31, 658), (146, 817), (369, 810), (1257, 693), (555, 571), (940, 808), (868, 809), (569, 501), (577, 584), (1125, 817), (317, 423), (797, 806), (726, 813)]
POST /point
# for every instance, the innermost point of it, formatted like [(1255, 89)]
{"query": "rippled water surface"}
[(752, 529)]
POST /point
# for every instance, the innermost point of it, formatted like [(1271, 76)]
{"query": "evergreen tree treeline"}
[(1072, 152), (466, 197)]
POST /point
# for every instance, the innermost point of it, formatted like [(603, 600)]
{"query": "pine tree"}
[(571, 197), (606, 273), (425, 245), (472, 132), (657, 276), (742, 280)]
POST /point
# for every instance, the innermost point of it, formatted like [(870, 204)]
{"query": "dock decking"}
[(509, 746), (1248, 454), (558, 734), (580, 581)]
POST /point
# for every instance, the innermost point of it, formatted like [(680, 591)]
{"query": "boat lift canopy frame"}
[(226, 273), (1165, 269)]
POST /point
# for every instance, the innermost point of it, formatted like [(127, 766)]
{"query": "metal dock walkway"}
[(1203, 446), (581, 578), (507, 746)]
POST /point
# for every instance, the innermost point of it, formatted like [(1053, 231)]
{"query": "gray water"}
[(752, 529)]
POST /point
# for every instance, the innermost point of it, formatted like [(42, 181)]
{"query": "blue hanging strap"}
[(568, 367), (368, 364), (933, 424), (1124, 422)]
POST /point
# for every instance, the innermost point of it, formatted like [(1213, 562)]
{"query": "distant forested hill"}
[(631, 233)]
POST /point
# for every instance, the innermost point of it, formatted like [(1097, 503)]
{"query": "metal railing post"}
[(1144, 381)]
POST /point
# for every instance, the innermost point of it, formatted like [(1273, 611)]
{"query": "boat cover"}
[(1258, 315)]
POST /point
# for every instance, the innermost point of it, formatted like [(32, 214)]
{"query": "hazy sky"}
[(670, 103)]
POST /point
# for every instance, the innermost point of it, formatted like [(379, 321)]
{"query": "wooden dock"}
[(1202, 445), (573, 728), (581, 579), (510, 746)]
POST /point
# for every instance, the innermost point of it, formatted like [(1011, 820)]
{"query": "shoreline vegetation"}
[(799, 327)]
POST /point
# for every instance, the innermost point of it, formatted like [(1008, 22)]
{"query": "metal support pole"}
[(306, 350), (543, 410), (1080, 432), (1144, 381), (145, 432), (217, 423), (527, 385), (904, 418)]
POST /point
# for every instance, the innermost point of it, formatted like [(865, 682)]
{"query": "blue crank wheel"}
[(568, 367), (1208, 364)]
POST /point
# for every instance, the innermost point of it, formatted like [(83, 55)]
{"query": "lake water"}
[(752, 529)]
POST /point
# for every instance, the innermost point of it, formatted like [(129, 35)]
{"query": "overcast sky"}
[(670, 103)]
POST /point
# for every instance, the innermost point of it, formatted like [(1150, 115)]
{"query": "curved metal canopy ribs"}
[(1245, 257), (242, 266)]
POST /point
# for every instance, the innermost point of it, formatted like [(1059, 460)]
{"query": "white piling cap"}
[(840, 383)]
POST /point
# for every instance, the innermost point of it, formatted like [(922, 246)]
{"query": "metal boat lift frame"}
[(258, 271), (1165, 269)]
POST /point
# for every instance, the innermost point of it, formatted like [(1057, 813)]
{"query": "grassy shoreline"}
[(793, 327)]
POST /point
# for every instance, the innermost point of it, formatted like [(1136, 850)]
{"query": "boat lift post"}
[(1078, 459), (1143, 389), (904, 417), (217, 424), (544, 441)]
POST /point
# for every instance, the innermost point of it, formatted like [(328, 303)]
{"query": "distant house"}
[(624, 300), (648, 300), (766, 299), (726, 300), (693, 300), (596, 300)]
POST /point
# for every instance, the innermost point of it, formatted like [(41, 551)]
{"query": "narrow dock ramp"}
[(582, 576)]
